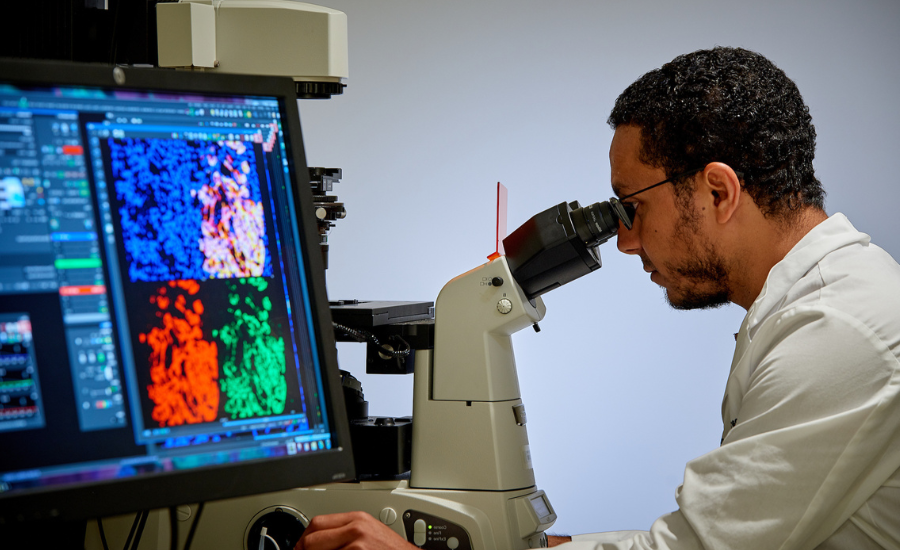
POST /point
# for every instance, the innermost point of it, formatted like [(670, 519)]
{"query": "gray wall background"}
[(447, 98)]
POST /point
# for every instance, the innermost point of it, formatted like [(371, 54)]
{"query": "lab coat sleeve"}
[(816, 434)]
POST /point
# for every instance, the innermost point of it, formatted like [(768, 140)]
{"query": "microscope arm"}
[(469, 421)]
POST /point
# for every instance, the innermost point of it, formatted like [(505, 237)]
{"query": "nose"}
[(627, 240)]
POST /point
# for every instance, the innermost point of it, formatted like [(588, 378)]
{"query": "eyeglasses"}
[(625, 212)]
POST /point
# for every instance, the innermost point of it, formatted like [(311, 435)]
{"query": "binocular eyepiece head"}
[(560, 244)]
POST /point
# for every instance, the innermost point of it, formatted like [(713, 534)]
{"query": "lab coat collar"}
[(830, 235)]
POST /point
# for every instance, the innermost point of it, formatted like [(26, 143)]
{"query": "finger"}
[(333, 521), (331, 539)]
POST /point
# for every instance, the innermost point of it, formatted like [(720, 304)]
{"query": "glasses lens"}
[(625, 212)]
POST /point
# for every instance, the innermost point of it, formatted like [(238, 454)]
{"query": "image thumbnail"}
[(189, 209), (21, 405), (12, 193), (253, 359), (184, 367)]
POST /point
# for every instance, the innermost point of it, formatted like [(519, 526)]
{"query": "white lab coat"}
[(811, 447)]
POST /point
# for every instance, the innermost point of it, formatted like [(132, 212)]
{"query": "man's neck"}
[(770, 244)]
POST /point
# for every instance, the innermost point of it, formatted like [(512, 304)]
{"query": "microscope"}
[(458, 473)]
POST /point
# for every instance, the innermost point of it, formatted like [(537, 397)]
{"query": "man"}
[(712, 155)]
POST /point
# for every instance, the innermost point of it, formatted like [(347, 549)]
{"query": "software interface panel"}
[(152, 300)]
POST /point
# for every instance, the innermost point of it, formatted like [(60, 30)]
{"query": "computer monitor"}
[(165, 335)]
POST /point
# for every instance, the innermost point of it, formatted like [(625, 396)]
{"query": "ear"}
[(722, 190)]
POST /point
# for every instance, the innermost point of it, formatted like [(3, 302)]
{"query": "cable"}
[(102, 534), (113, 42), (173, 528), (134, 524), (364, 336), (190, 537), (140, 530), (359, 335)]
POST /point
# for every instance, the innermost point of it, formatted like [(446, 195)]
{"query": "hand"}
[(350, 531), (553, 540)]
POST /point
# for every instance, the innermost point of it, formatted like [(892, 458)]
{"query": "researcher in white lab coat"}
[(712, 156)]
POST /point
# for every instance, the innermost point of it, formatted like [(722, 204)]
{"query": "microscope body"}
[(469, 421)]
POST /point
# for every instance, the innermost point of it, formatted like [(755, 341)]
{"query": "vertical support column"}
[(468, 427)]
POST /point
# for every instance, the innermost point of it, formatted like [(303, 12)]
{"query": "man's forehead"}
[(628, 173), (624, 158), (620, 187)]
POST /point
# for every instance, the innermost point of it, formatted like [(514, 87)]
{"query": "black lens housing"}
[(596, 223), (560, 244)]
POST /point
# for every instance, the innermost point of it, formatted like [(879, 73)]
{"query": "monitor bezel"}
[(161, 490)]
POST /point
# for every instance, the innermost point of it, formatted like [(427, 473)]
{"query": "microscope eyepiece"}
[(598, 222)]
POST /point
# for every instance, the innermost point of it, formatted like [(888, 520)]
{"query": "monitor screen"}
[(164, 330)]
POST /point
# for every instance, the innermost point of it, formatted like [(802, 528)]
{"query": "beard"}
[(701, 280), (703, 284)]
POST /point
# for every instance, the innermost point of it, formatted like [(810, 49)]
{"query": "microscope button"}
[(388, 516), (504, 306), (419, 535), (453, 543), (497, 281)]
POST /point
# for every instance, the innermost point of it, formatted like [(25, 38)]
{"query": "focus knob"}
[(275, 528)]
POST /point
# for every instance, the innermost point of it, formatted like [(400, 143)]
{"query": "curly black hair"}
[(727, 105)]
